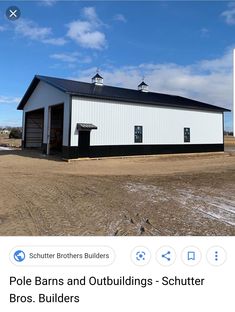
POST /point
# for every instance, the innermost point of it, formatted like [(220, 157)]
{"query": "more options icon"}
[(216, 255)]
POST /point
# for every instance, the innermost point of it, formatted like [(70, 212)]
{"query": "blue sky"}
[(182, 48)]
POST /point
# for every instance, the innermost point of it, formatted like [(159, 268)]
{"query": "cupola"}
[(143, 87), (97, 80)]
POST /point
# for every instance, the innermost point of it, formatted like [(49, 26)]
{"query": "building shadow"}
[(31, 153)]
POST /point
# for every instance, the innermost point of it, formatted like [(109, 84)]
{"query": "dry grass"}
[(6, 142)]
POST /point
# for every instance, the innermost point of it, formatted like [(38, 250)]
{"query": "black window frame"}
[(138, 134), (187, 135)]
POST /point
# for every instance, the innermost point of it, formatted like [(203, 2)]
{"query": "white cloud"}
[(90, 14), (9, 99), (220, 64), (31, 30), (73, 57), (229, 14), (55, 41), (209, 81), (86, 33), (65, 57), (204, 32), (47, 3), (120, 18)]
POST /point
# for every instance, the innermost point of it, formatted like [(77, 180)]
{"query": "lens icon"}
[(140, 255)]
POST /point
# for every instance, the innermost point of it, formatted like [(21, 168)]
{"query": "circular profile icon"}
[(19, 256)]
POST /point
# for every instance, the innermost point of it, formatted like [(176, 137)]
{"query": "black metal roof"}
[(85, 89), (86, 126)]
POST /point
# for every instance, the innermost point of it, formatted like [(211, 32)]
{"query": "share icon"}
[(166, 255)]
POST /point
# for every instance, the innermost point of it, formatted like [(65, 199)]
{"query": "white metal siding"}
[(44, 96), (116, 121)]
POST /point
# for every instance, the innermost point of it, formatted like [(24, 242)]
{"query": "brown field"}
[(229, 140), (6, 142), (155, 195)]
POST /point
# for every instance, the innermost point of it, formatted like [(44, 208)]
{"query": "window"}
[(186, 135), (138, 134)]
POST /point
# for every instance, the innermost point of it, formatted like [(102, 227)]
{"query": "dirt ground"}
[(6, 142), (229, 140), (155, 195)]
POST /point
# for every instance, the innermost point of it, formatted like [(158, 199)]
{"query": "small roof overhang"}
[(86, 126)]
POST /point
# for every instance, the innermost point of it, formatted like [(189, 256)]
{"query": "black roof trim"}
[(142, 84), (84, 89)]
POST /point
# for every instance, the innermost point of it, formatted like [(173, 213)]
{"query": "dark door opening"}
[(84, 143), (56, 131), (34, 129)]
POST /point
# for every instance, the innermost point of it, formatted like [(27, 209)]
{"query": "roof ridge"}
[(108, 86)]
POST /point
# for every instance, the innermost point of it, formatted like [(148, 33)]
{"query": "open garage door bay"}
[(34, 129)]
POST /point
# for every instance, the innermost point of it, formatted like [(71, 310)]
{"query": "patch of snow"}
[(5, 148), (219, 208), (215, 206)]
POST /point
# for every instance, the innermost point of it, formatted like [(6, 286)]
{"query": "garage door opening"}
[(34, 129), (56, 130)]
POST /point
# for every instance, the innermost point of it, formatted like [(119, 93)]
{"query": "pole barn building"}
[(79, 119)]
